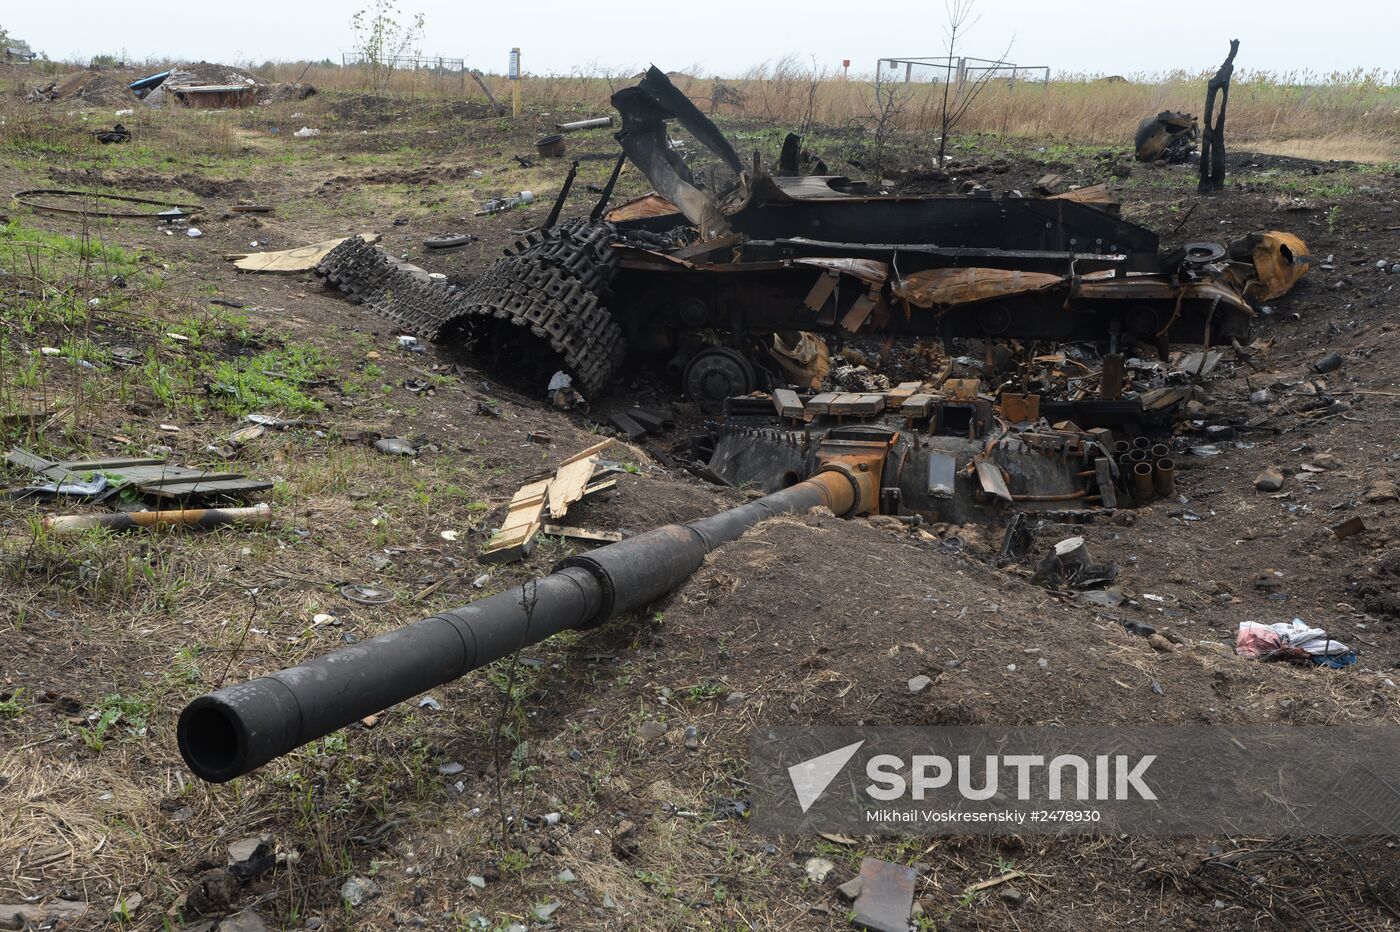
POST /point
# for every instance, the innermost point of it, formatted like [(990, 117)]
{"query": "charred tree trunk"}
[(1213, 139)]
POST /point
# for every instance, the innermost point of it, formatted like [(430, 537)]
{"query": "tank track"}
[(549, 282)]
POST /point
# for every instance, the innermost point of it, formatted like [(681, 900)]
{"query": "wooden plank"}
[(553, 495), (918, 406), (597, 487), (581, 533), (901, 393), (568, 484), (786, 403), (522, 522)]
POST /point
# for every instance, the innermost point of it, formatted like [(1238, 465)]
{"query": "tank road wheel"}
[(994, 319), (716, 373), (1142, 322)]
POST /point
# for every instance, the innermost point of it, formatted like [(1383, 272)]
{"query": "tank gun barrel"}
[(229, 732)]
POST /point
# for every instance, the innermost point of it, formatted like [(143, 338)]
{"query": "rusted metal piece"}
[(190, 518), (1168, 137), (935, 287), (1164, 477), (1017, 408), (1111, 380), (1267, 265), (1142, 482), (645, 109)]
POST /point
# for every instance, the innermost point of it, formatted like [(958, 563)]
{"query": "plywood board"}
[(299, 259)]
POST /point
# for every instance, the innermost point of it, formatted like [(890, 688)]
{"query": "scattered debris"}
[(576, 478), (116, 134), (886, 898), (1328, 363), (1270, 480), (357, 891), (366, 595), (1295, 640), (150, 476), (447, 241), (592, 123), (249, 858), (1170, 137), (1382, 490), (818, 869), (56, 913), (1069, 564), (395, 446), (1348, 528)]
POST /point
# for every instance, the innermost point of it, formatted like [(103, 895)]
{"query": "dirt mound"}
[(212, 73), (277, 93), (89, 88), (145, 180)]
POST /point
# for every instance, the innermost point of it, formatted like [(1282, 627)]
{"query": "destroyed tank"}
[(702, 284)]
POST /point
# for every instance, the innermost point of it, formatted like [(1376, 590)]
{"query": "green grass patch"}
[(23, 247), (274, 381)]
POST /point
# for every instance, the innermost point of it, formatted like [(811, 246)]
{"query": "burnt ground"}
[(806, 620)]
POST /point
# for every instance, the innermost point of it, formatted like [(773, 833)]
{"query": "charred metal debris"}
[(748, 290)]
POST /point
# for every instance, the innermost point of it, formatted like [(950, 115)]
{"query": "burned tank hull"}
[(681, 274)]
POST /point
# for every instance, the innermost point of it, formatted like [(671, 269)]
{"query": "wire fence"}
[(410, 72), (959, 70), (433, 64)]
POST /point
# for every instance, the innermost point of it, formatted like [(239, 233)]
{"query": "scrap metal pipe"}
[(1142, 482), (227, 733), (576, 125), (1164, 478), (200, 518)]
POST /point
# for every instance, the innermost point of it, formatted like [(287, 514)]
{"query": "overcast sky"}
[(728, 36)]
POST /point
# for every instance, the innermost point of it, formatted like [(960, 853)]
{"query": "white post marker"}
[(513, 73)]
